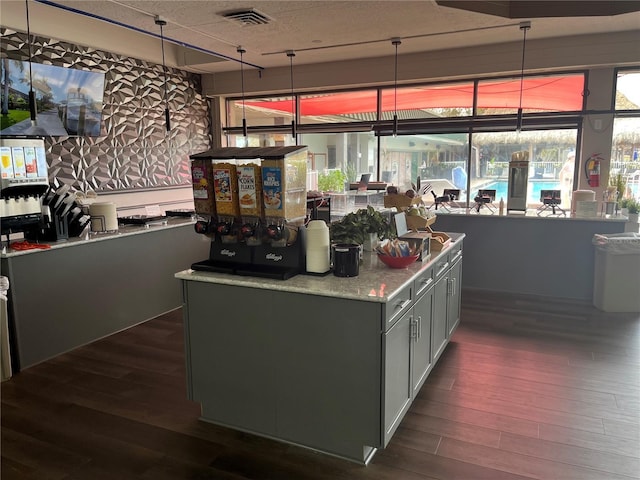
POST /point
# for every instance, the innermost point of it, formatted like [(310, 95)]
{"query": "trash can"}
[(616, 280)]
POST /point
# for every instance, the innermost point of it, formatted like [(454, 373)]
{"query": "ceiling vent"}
[(247, 17)]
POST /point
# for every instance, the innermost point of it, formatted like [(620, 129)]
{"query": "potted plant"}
[(619, 182), (624, 206), (633, 209), (332, 181), (362, 227), (633, 206)]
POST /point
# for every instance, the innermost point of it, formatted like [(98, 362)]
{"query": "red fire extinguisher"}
[(592, 170)]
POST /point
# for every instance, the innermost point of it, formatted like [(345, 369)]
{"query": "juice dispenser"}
[(23, 182)]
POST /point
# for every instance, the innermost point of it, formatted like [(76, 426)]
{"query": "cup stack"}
[(317, 250)]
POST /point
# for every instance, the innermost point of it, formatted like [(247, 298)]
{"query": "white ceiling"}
[(318, 31)]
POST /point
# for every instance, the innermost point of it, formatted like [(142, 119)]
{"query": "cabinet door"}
[(231, 355), (397, 374), (421, 340), (453, 307), (439, 317)]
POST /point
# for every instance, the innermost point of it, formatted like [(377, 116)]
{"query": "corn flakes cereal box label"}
[(272, 188), (222, 185), (247, 188), (200, 183)]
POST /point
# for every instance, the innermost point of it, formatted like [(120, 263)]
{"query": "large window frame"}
[(625, 144), (416, 124)]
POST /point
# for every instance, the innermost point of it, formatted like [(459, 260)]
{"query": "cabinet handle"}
[(449, 286), (427, 281), (455, 285), (441, 266), (402, 304), (414, 327), (419, 326)]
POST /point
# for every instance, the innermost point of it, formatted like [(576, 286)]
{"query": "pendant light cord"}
[(32, 95), (164, 66), (291, 54), (395, 42), (29, 45), (395, 81), (242, 51), (524, 26), (161, 22)]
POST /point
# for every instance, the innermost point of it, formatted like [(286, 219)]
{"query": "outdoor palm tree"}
[(7, 81)]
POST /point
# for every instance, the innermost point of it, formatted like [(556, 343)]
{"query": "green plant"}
[(620, 183), (355, 226), (333, 181), (633, 205)]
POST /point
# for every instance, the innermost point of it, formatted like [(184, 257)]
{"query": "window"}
[(446, 100), (440, 160), (551, 162), (267, 111), (627, 90), (361, 105), (558, 93), (353, 153), (350, 131), (625, 147)]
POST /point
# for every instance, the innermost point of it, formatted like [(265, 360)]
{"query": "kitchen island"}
[(327, 363)]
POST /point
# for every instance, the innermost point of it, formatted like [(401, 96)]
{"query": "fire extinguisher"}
[(592, 170)]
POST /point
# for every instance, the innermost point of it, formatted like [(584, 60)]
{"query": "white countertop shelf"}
[(91, 237), (375, 282)]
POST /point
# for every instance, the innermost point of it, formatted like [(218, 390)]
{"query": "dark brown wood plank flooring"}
[(528, 388)]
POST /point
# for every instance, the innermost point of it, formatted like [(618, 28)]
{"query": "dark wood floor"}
[(528, 388)]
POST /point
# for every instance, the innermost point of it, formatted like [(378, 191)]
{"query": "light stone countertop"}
[(90, 237), (375, 282)]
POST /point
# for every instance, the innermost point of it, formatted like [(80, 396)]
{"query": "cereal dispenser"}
[(254, 208)]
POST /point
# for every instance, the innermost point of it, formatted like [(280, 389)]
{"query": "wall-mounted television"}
[(69, 100)]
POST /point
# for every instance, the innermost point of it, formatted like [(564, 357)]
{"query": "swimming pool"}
[(533, 189)]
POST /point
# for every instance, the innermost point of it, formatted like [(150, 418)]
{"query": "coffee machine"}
[(24, 181), (252, 203)]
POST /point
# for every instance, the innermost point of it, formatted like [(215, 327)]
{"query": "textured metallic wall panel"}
[(134, 150)]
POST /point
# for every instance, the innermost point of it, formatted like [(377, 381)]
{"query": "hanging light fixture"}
[(395, 42), (524, 26), (32, 95), (162, 22), (242, 51), (291, 54)]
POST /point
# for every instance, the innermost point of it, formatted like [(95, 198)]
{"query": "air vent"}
[(247, 17)]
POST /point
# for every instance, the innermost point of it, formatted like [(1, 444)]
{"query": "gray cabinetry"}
[(407, 357), (326, 372), (439, 322), (422, 356), (81, 290), (453, 305), (232, 355), (397, 373)]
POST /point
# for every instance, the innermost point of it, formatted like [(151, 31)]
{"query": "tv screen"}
[(69, 101)]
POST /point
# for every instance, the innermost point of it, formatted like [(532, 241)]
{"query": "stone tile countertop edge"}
[(90, 237), (375, 282)]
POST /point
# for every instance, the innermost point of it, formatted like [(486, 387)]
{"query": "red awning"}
[(555, 93)]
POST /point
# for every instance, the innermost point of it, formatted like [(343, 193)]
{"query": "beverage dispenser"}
[(518, 181), (24, 181), (254, 208)]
